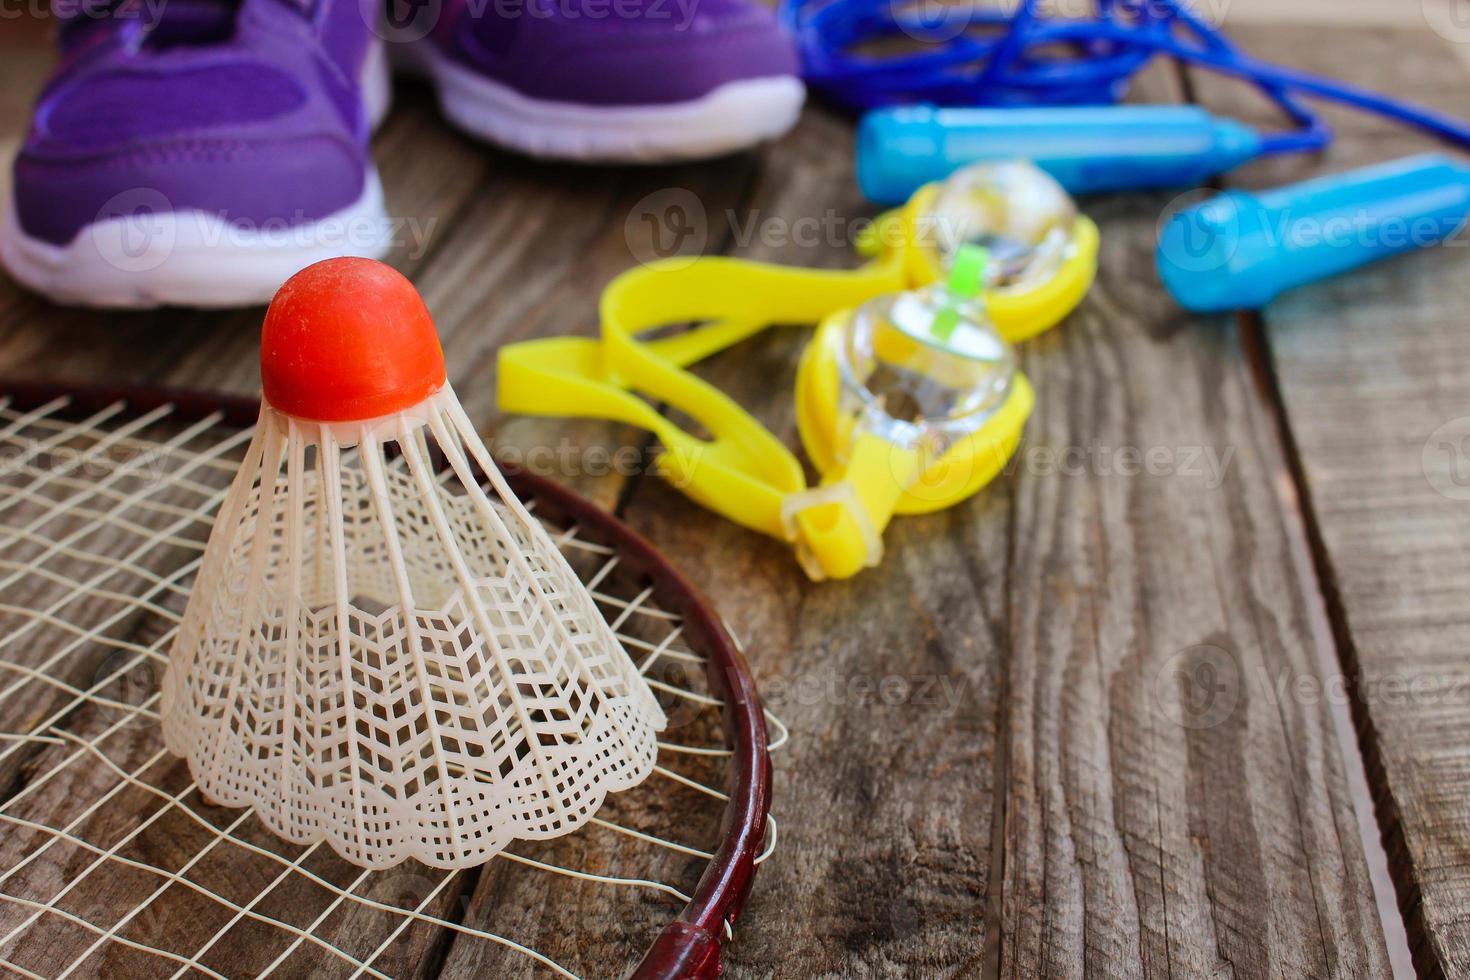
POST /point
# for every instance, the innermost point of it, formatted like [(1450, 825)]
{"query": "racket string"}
[(91, 654)]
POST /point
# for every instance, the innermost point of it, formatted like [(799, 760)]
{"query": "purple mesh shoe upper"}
[(615, 52), (249, 111)]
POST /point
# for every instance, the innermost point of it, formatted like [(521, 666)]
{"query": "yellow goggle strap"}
[(743, 472)]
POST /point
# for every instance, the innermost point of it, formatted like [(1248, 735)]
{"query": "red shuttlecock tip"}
[(346, 340)]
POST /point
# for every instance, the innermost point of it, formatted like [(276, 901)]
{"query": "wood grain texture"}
[(1049, 737), (1371, 371), (885, 795), (529, 258), (1004, 760), (25, 57), (142, 826), (1169, 813)]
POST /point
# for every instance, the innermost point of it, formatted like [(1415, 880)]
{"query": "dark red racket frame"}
[(690, 946)]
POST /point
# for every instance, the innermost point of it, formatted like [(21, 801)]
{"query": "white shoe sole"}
[(729, 118), (192, 258), (188, 258)]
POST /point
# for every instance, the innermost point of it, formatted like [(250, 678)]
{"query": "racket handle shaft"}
[(1087, 149), (1241, 250)]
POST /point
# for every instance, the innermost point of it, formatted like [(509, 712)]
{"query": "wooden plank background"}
[(1371, 373), (1097, 766)]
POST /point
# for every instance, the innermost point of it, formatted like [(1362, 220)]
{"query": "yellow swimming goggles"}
[(908, 397)]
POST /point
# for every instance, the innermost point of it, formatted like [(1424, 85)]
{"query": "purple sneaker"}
[(199, 152), (613, 80)]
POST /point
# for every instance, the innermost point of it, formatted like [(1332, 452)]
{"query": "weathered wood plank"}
[(529, 258), (566, 265), (1169, 811), (25, 56), (1062, 784), (141, 826), (889, 682), (1370, 369), (988, 769)]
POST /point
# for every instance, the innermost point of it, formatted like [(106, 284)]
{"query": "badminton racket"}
[(113, 864)]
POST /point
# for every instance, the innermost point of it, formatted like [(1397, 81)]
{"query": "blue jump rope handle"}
[(1239, 250), (1087, 149)]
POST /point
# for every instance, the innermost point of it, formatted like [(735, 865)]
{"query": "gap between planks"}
[(1328, 640), (1414, 62), (1331, 642)]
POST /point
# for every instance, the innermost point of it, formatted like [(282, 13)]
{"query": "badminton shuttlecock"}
[(378, 653)]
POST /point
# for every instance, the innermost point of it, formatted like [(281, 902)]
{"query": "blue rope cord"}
[(990, 58)]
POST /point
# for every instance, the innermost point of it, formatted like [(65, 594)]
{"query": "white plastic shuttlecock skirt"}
[(379, 655)]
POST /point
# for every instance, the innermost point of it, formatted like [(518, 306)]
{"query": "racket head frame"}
[(691, 946)]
